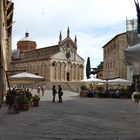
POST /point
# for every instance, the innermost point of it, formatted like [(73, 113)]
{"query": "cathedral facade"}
[(59, 62)]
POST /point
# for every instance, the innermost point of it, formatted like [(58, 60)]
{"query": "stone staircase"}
[(71, 86)]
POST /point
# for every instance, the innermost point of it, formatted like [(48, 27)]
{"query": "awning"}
[(132, 57)]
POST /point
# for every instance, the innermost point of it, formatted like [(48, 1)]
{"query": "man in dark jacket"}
[(60, 93)]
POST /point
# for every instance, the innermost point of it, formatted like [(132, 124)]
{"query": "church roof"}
[(26, 38)]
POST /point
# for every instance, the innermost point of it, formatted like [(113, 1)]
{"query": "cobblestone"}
[(75, 119)]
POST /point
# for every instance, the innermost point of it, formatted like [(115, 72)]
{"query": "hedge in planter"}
[(136, 98), (83, 90), (35, 100)]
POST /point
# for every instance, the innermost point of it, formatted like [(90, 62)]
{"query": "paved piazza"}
[(75, 119)]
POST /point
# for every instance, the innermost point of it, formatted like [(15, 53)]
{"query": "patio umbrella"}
[(119, 81), (26, 77), (93, 80)]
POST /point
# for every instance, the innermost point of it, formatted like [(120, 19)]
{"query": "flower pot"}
[(20, 106), (35, 103), (25, 107), (136, 100), (82, 93)]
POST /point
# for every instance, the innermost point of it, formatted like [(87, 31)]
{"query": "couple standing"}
[(60, 93)]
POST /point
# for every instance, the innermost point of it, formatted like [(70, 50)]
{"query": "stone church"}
[(57, 63)]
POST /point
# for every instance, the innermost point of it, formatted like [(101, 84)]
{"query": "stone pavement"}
[(75, 119)]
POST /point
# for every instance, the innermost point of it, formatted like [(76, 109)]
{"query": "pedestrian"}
[(28, 94), (117, 93), (60, 94), (38, 90), (54, 92), (42, 90)]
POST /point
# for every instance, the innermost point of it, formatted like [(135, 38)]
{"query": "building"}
[(113, 57), (57, 63), (6, 21)]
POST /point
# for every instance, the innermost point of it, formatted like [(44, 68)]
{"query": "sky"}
[(94, 22)]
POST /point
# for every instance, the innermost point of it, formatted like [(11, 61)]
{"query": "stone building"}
[(6, 21), (59, 62), (113, 57)]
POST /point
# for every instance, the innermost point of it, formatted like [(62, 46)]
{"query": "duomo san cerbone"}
[(57, 63)]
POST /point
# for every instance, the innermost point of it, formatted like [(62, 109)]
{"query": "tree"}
[(88, 68), (98, 69)]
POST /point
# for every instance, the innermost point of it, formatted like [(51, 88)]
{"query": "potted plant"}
[(136, 98), (35, 100), (25, 103), (20, 101), (83, 90)]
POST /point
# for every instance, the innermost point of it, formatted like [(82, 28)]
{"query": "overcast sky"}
[(94, 22)]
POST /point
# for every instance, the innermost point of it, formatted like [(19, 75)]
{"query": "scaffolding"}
[(131, 25), (131, 32)]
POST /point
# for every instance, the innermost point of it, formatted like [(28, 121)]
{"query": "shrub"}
[(83, 87), (25, 100), (137, 96), (36, 98)]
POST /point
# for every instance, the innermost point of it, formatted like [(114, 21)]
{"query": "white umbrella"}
[(119, 81), (25, 76), (93, 80)]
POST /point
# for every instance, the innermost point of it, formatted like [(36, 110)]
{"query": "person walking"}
[(53, 93), (42, 89), (60, 94), (38, 90)]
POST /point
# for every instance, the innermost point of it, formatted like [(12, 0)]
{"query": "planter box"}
[(83, 94), (20, 106), (25, 107), (136, 100), (35, 103)]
